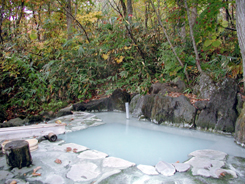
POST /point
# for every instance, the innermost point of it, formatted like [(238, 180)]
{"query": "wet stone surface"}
[(69, 163)]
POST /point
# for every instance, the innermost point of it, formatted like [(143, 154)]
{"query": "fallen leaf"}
[(68, 149), (36, 169), (13, 182), (36, 174), (58, 122), (58, 161), (72, 118), (222, 174), (177, 162), (75, 150)]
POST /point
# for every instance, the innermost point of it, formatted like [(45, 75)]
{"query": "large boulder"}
[(174, 110), (148, 105), (160, 108), (240, 102), (164, 88), (47, 115), (103, 104), (64, 111), (13, 122), (220, 112), (119, 98), (35, 119), (205, 87), (115, 102), (136, 105), (240, 128), (3, 115)]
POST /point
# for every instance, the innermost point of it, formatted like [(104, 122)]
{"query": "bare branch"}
[(117, 9), (193, 40), (79, 24), (165, 32)]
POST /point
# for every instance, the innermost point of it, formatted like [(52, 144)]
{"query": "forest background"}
[(56, 52)]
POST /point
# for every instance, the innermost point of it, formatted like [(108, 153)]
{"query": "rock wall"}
[(240, 128), (218, 113), (115, 102), (175, 110)]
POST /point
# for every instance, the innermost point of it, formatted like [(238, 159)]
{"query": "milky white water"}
[(146, 143)]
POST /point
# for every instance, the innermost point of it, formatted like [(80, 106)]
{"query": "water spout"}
[(127, 110)]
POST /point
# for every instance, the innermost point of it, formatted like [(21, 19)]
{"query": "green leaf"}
[(225, 23), (33, 35), (207, 43), (216, 43)]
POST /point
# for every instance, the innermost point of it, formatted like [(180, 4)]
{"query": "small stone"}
[(181, 167), (107, 174), (147, 169), (71, 147), (83, 172), (117, 163), (211, 154), (204, 166), (203, 172), (92, 154), (165, 168)]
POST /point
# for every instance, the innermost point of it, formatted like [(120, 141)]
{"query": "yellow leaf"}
[(126, 48), (105, 56), (119, 60)]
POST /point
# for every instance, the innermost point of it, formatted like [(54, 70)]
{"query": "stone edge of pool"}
[(206, 163)]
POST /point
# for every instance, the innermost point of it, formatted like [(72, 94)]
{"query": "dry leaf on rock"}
[(58, 122), (36, 174), (68, 149), (58, 161), (13, 182), (36, 169)]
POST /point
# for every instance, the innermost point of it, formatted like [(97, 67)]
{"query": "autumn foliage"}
[(42, 68)]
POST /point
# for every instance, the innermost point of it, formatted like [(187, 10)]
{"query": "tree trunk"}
[(124, 8), (19, 18), (193, 39), (165, 32), (36, 23), (18, 154), (130, 10), (146, 15), (240, 26), (39, 23), (193, 16), (76, 8), (69, 19), (21, 13), (1, 20)]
